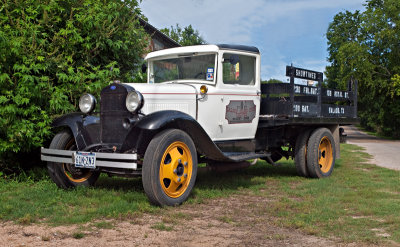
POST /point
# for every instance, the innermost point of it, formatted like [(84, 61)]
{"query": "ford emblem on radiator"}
[(113, 87)]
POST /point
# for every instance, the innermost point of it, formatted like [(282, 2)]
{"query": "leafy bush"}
[(53, 51)]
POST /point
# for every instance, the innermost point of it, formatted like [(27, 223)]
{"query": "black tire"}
[(66, 175), (167, 178), (300, 153), (321, 153)]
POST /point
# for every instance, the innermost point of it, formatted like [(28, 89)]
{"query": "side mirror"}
[(144, 68)]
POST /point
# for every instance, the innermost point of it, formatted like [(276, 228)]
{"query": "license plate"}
[(85, 160)]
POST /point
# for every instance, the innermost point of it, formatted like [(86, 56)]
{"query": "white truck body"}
[(222, 103)]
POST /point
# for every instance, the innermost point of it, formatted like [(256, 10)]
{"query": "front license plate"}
[(85, 160)]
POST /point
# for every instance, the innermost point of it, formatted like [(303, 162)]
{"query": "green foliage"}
[(272, 81), (396, 85), (53, 51), (186, 36), (365, 45)]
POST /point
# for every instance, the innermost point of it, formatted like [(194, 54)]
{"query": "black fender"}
[(147, 127), (78, 123)]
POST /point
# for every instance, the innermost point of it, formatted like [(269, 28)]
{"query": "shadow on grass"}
[(208, 180), (119, 183)]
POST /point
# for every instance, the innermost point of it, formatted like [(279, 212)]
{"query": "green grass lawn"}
[(358, 202)]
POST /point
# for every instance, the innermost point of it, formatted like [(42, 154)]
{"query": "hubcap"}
[(325, 155), (176, 169)]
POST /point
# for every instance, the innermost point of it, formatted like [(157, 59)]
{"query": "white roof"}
[(183, 49)]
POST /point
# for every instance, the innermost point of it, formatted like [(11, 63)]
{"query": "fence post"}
[(292, 88), (319, 100)]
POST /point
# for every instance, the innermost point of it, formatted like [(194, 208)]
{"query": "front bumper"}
[(113, 160)]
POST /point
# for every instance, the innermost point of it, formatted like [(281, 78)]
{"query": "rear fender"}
[(146, 128)]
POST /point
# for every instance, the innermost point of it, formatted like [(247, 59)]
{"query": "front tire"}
[(169, 168), (321, 153), (66, 175)]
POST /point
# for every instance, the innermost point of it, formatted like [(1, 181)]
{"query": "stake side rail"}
[(289, 103)]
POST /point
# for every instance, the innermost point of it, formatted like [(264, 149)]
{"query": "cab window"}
[(238, 69)]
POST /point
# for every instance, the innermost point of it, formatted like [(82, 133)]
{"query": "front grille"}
[(113, 112)]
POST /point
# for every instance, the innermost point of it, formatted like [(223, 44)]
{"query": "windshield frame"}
[(150, 75)]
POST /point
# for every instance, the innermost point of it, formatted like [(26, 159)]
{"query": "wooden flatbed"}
[(294, 104)]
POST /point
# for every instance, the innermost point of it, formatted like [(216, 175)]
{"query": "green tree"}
[(186, 36), (365, 45), (272, 80), (53, 51)]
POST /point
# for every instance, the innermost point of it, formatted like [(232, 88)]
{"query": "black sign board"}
[(304, 74)]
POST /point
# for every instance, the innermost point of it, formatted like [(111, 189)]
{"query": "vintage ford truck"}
[(201, 104)]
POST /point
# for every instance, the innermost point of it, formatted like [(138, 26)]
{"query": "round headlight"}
[(87, 103), (134, 101)]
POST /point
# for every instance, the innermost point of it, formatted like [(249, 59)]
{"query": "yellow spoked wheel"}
[(76, 175), (321, 153), (176, 169), (66, 175), (325, 154), (169, 168)]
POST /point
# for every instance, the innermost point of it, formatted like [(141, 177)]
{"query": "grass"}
[(376, 134), (104, 225), (162, 227), (78, 235), (358, 199), (358, 203)]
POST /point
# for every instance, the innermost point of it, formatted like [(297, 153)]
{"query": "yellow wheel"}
[(67, 175), (325, 155), (169, 168), (321, 153), (75, 175), (176, 169)]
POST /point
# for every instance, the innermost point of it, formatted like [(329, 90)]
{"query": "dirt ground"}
[(240, 220)]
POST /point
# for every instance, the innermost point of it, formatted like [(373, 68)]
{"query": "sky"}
[(285, 31)]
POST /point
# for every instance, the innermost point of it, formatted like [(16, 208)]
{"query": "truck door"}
[(238, 85)]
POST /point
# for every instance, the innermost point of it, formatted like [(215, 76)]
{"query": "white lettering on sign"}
[(307, 74), (346, 95), (304, 108), (329, 93), (297, 89), (336, 110), (310, 90), (338, 94)]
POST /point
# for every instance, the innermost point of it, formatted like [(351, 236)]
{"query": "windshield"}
[(200, 67)]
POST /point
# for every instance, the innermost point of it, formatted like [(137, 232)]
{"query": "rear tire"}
[(300, 158), (321, 153), (169, 168), (66, 175)]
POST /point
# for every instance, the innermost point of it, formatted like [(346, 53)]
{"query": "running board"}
[(242, 156)]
